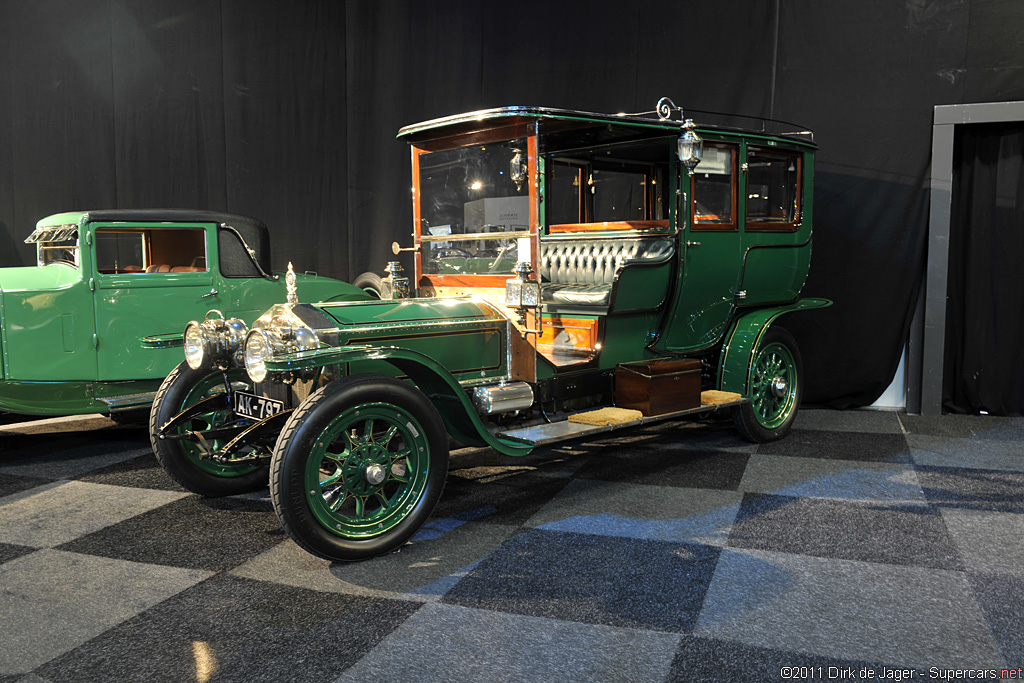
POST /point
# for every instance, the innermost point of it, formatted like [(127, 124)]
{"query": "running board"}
[(117, 404), (554, 432)]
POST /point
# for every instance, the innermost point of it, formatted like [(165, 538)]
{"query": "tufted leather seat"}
[(582, 272)]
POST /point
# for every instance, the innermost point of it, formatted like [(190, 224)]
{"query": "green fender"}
[(743, 339), (427, 374)]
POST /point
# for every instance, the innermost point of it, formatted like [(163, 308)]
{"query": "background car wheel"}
[(371, 283), (179, 457), (359, 467), (775, 389)]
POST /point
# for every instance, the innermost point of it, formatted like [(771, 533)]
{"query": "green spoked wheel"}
[(774, 388), (359, 467), (180, 458)]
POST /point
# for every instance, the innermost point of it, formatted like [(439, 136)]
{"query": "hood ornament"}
[(290, 281)]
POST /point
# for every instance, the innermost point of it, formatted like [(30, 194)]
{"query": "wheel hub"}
[(375, 474), (779, 386)]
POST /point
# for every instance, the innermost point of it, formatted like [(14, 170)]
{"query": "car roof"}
[(527, 120)]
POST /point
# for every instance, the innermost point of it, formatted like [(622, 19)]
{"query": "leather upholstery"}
[(581, 272)]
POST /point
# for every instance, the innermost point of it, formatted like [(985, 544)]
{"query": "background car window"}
[(714, 184), (773, 182), (171, 250), (119, 252)]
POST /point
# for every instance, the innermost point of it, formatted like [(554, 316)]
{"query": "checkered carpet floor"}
[(863, 541)]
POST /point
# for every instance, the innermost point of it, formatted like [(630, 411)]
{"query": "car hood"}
[(37, 278)]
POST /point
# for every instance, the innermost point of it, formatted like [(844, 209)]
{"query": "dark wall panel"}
[(285, 122), (168, 102), (406, 62), (288, 110), (61, 109)]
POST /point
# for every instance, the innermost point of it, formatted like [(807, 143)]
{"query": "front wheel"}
[(775, 388), (179, 451), (359, 467)]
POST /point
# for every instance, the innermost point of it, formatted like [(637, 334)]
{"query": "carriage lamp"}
[(396, 285), (522, 293), (691, 147), (517, 169)]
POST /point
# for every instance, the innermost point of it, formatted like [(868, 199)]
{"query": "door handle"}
[(212, 292), (692, 244)]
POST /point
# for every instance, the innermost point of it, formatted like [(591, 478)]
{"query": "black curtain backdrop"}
[(984, 365), (287, 111)]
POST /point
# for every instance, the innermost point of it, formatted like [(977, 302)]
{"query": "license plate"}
[(256, 407)]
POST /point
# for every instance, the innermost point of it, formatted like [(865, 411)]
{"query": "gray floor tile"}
[(73, 462), (810, 443), (639, 511), (891, 533), (201, 533), (10, 484), (969, 489), (142, 471), (54, 601), (941, 451), (58, 514), (862, 421), (826, 478), (497, 497), (989, 541), (1002, 601), (668, 465), (710, 660), (481, 645), (592, 579), (232, 629), (906, 616), (9, 552), (421, 571), (966, 426)]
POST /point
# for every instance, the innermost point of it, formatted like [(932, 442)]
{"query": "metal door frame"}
[(928, 331)]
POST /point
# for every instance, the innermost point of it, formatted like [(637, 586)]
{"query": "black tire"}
[(180, 458), (775, 388), (371, 283), (322, 481)]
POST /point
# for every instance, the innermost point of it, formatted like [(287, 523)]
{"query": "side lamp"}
[(691, 147)]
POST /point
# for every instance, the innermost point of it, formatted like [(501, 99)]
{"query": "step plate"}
[(545, 434)]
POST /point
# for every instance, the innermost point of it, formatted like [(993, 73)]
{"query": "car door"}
[(711, 252), (150, 278)]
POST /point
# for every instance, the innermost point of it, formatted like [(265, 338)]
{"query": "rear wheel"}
[(774, 390), (180, 457), (359, 467), (371, 283)]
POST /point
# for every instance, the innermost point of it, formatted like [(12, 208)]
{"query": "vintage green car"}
[(72, 327), (573, 273)]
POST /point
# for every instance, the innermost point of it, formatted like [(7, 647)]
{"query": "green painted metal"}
[(746, 332), (465, 336), (217, 416), (369, 435), (67, 398), (721, 270), (431, 377), (773, 367), (73, 329)]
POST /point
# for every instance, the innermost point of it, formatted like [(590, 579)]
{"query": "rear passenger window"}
[(146, 250), (773, 189), (714, 188)]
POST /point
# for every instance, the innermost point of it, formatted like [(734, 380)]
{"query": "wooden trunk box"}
[(656, 387)]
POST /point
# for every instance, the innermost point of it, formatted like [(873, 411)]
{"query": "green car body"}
[(555, 253), (72, 327)]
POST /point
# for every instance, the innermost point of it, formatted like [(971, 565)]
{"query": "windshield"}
[(56, 244), (474, 203)]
